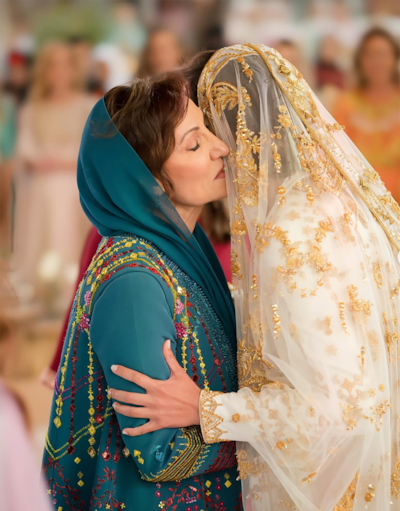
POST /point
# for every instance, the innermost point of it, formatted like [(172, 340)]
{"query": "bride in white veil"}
[(316, 276), (315, 242)]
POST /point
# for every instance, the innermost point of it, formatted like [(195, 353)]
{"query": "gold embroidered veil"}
[(315, 242)]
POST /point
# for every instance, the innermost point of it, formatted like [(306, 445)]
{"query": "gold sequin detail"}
[(277, 321)]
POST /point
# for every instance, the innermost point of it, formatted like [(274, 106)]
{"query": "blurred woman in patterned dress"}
[(370, 112), (49, 217)]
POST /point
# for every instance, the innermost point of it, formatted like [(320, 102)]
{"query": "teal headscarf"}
[(120, 195)]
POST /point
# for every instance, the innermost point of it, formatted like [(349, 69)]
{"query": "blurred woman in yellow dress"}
[(50, 222), (371, 111)]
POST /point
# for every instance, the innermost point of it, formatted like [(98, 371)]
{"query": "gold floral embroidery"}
[(260, 241), (361, 308), (376, 269), (281, 191), (277, 157), (345, 222), (348, 415), (378, 411), (347, 501), (324, 227), (254, 287), (334, 127), (239, 227), (251, 366), (395, 480), (248, 144), (318, 260), (292, 215), (391, 338), (342, 316), (395, 291), (225, 95), (299, 94), (246, 467), (235, 265), (331, 350), (245, 68), (325, 325), (277, 321)]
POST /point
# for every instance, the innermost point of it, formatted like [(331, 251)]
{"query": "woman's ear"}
[(161, 185)]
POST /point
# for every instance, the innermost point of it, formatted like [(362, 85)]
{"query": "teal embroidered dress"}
[(150, 280)]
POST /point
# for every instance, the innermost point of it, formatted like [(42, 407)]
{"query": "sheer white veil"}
[(315, 244)]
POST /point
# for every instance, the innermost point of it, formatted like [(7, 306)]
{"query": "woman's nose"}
[(220, 149)]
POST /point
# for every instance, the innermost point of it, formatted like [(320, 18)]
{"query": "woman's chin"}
[(220, 189)]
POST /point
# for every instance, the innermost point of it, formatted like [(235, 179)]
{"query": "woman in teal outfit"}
[(154, 277)]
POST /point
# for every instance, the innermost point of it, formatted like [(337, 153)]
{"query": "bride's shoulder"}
[(296, 207)]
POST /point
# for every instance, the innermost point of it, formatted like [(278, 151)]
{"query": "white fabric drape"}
[(315, 242)]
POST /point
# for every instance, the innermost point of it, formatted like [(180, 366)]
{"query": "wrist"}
[(196, 407)]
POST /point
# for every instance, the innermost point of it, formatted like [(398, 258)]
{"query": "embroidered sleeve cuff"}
[(190, 447), (226, 417), (210, 421)]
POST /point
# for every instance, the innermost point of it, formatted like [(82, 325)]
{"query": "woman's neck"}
[(189, 214), (62, 95), (381, 91)]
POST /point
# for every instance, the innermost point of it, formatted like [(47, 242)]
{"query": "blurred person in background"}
[(128, 31), (18, 469), (7, 145), (292, 52), (329, 77), (384, 14), (215, 221), (370, 111), (111, 67), (161, 54), (48, 374), (18, 76), (81, 52), (50, 225), (317, 23)]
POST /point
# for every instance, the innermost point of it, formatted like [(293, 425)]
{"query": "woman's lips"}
[(221, 174)]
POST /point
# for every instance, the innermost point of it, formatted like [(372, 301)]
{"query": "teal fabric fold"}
[(120, 195)]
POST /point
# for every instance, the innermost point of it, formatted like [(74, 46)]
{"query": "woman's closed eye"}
[(195, 147)]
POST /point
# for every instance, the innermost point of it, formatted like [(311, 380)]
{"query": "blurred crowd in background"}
[(57, 58)]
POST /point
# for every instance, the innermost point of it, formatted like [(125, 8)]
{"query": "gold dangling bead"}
[(281, 192), (310, 195)]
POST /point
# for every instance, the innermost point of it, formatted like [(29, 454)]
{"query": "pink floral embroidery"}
[(84, 322), (88, 295), (179, 307), (180, 330)]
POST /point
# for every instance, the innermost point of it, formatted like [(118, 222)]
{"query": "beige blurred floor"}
[(35, 345)]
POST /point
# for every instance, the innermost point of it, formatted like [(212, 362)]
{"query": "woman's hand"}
[(47, 378), (172, 403)]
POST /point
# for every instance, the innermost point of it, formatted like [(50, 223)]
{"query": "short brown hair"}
[(371, 34), (146, 113), (193, 69)]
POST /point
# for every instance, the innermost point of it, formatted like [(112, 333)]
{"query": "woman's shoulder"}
[(134, 264), (85, 101), (346, 102)]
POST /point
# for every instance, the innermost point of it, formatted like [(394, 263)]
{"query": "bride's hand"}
[(172, 403)]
